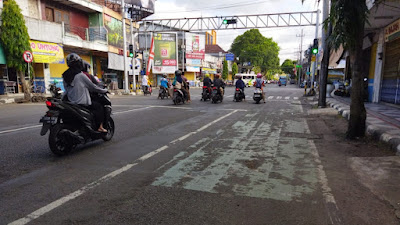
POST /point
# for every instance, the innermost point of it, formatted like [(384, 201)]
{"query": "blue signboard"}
[(230, 57)]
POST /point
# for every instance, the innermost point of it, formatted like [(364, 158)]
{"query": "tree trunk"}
[(324, 70), (358, 114), (25, 86)]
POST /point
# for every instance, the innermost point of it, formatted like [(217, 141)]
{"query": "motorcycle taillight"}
[(204, 87), (214, 88), (49, 104), (175, 90), (237, 89)]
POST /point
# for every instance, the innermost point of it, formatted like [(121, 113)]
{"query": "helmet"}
[(217, 76), (178, 73), (239, 77), (86, 66), (259, 75), (73, 59), (165, 75), (208, 75)]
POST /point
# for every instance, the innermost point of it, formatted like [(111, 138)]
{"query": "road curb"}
[(372, 130)]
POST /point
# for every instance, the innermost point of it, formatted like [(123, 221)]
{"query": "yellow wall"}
[(38, 68), (373, 61), (99, 75), (56, 70), (190, 75)]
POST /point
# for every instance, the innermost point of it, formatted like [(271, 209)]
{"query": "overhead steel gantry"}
[(294, 19)]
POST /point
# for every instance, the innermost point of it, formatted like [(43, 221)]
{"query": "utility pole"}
[(133, 58), (126, 87), (325, 62), (301, 56), (316, 56)]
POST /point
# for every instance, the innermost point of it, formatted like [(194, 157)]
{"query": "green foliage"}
[(235, 70), (225, 70), (347, 19), (253, 47), (14, 35), (288, 66), (256, 69)]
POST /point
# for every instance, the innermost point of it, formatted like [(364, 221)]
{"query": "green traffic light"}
[(315, 50), (131, 55), (225, 22)]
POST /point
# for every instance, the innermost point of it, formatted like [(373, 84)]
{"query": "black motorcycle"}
[(71, 124), (205, 95), (239, 95), (257, 95), (179, 97), (163, 93), (216, 95)]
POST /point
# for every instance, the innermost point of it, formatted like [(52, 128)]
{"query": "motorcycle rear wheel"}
[(59, 145)]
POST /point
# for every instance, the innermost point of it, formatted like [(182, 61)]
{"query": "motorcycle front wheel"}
[(110, 127), (58, 143)]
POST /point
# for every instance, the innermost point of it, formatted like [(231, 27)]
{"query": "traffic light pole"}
[(325, 60), (133, 59), (126, 86), (301, 57), (316, 55)]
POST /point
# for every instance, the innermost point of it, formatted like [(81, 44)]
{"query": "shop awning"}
[(2, 56)]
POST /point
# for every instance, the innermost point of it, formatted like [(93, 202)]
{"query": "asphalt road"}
[(198, 163)]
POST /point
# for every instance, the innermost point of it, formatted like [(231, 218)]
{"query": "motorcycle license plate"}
[(257, 95), (48, 120)]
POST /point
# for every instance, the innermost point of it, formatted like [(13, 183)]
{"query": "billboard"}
[(165, 53), (137, 9), (195, 47), (114, 30), (46, 52)]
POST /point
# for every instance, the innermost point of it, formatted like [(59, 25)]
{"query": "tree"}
[(14, 26), (256, 69), (260, 51), (225, 70), (235, 70), (288, 66), (348, 18)]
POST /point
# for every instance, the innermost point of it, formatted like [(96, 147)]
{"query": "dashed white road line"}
[(287, 98), (270, 97), (59, 202), (296, 98), (279, 97), (18, 129)]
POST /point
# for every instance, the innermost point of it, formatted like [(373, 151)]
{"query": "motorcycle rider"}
[(259, 83), (164, 84), (240, 84), (219, 83), (77, 86), (207, 82), (179, 83)]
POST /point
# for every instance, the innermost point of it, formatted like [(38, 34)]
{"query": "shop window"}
[(49, 14), (61, 16)]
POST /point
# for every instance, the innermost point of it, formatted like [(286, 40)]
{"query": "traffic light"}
[(131, 53), (315, 47), (229, 21)]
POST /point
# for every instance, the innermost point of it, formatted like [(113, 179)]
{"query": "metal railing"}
[(97, 34)]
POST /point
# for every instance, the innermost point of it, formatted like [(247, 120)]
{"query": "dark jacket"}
[(240, 84), (207, 82), (219, 83)]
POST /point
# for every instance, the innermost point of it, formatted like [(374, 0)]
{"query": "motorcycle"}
[(179, 97), (71, 124), (257, 95), (147, 90), (239, 95), (205, 94), (216, 95), (163, 93)]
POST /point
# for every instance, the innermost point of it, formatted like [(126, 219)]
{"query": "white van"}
[(248, 79)]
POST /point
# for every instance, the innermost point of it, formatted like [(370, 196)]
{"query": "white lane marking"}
[(229, 96), (40, 212), (296, 98), (287, 98), (18, 129), (215, 121), (239, 110), (279, 97), (183, 137), (131, 110), (154, 106), (151, 154), (270, 97)]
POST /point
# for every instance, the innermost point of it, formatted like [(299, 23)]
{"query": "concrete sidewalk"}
[(383, 121)]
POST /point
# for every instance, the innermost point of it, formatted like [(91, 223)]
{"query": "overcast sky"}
[(285, 37)]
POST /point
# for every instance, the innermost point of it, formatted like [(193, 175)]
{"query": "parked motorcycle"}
[(205, 95), (216, 95), (163, 93), (239, 95), (71, 124), (179, 97), (257, 96)]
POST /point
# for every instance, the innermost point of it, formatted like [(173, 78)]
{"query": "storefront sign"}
[(195, 46), (45, 52), (165, 53), (392, 31), (193, 69), (208, 71)]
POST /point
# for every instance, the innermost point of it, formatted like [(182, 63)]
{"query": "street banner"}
[(392, 31), (195, 46), (165, 53), (150, 61), (46, 52)]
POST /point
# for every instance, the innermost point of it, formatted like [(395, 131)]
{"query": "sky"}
[(286, 38)]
